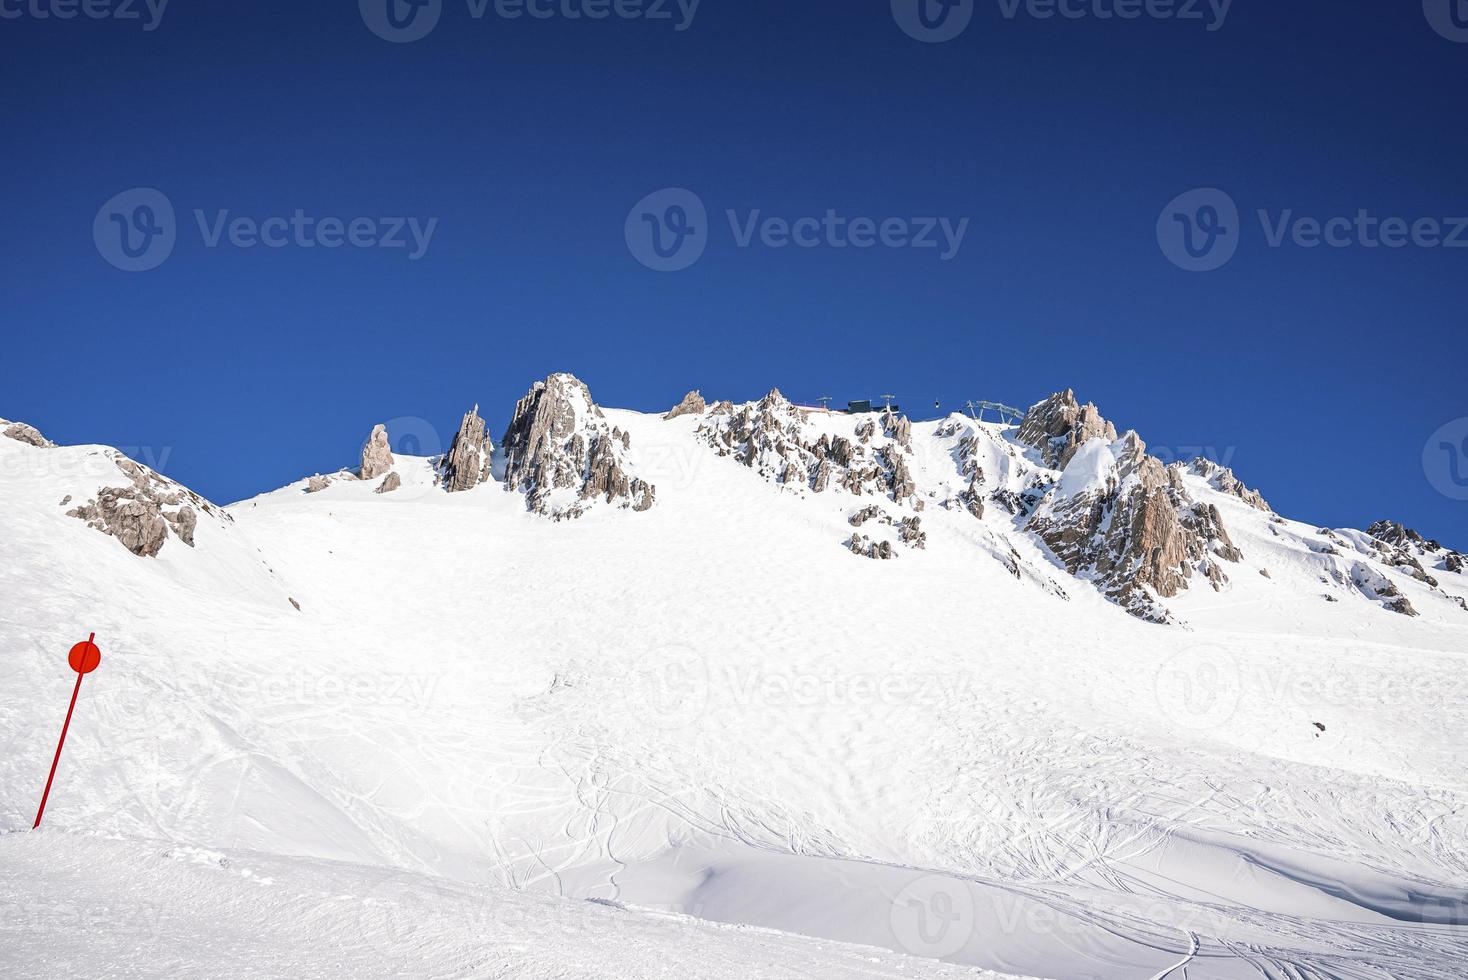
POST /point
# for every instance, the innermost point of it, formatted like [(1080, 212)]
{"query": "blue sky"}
[(1319, 373)]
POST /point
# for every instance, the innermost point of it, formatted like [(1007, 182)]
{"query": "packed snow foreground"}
[(741, 690)]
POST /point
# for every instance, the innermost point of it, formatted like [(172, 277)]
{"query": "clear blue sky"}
[(1321, 372)]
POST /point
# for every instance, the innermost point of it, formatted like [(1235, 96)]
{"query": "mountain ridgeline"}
[(1061, 500)]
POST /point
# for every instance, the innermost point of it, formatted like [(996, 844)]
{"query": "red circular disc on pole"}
[(84, 657)]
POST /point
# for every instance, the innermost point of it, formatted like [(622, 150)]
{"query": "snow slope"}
[(712, 709)]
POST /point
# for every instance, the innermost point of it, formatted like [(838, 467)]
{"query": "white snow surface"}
[(706, 740)]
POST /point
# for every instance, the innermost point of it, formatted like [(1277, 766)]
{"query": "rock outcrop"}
[(1222, 479), (1059, 425), (564, 456), (27, 434), (469, 461), (692, 404), (376, 454), (318, 483), (389, 483), (141, 513), (1119, 516), (773, 438)]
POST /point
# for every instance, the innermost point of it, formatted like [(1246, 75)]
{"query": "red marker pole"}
[(83, 658)]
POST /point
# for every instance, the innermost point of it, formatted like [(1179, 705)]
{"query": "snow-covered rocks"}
[(468, 461), (1059, 426), (141, 513), (1404, 548), (27, 434), (376, 454), (563, 455), (389, 483), (1222, 479), (1119, 516)]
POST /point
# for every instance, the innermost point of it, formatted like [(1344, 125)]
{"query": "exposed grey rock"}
[(389, 483), (469, 461), (29, 435), (872, 512), (899, 428), (140, 514), (1222, 479), (376, 454), (183, 523), (910, 533), (692, 404), (318, 483), (1405, 549), (562, 454), (1138, 535), (860, 544), (1059, 425)]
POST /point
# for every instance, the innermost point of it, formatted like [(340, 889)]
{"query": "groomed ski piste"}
[(708, 740)]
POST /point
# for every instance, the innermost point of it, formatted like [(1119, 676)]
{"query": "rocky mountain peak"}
[(468, 463), (692, 404), (1060, 425), (561, 452)]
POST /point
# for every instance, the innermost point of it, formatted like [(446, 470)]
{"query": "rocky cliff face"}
[(376, 454), (143, 512), (1119, 516), (468, 463), (564, 456)]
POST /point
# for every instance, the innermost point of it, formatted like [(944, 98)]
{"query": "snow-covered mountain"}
[(1094, 716)]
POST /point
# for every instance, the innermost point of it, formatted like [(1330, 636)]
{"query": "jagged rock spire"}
[(563, 455), (376, 454), (468, 461)]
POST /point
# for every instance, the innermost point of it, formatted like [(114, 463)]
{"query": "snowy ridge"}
[(710, 710)]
